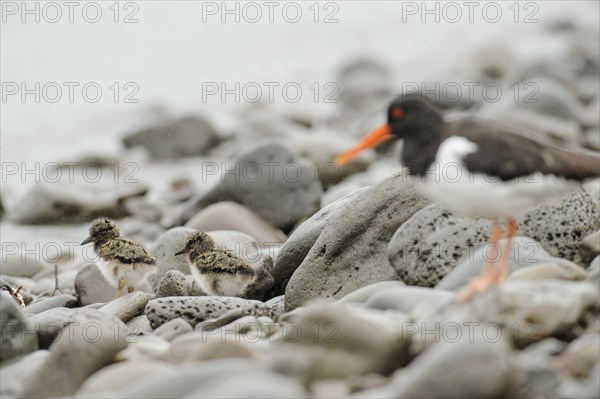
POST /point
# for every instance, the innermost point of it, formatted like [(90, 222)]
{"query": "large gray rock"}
[(18, 372), (235, 217), (339, 341), (195, 309), (91, 286), (81, 350), (430, 244), (524, 252), (185, 137), (49, 324), (350, 251), (268, 179), (18, 334), (298, 245), (434, 374)]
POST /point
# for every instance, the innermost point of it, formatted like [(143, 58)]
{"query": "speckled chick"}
[(216, 271), (121, 260)]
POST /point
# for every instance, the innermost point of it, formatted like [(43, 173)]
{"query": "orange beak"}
[(373, 139)]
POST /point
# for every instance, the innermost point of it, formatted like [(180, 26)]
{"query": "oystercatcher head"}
[(411, 119), (478, 168)]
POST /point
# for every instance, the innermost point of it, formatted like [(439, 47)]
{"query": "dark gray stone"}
[(185, 137), (79, 201), (261, 289), (272, 181)]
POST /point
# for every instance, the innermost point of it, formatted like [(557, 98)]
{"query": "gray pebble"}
[(127, 307), (197, 309), (39, 306), (92, 287), (173, 283), (173, 328), (18, 334), (81, 350)]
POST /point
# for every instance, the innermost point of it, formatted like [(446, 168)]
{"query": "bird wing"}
[(505, 154), (127, 251), (220, 261)]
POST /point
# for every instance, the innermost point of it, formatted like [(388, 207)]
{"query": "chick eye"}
[(397, 112)]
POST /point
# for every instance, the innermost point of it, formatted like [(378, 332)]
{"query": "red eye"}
[(397, 113)]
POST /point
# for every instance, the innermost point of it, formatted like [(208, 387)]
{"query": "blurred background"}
[(112, 86)]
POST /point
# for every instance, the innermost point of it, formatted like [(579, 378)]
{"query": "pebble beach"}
[(234, 132)]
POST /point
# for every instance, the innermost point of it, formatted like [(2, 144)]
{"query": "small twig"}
[(56, 287)]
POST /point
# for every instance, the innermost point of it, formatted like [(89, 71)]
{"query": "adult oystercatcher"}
[(479, 169)]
